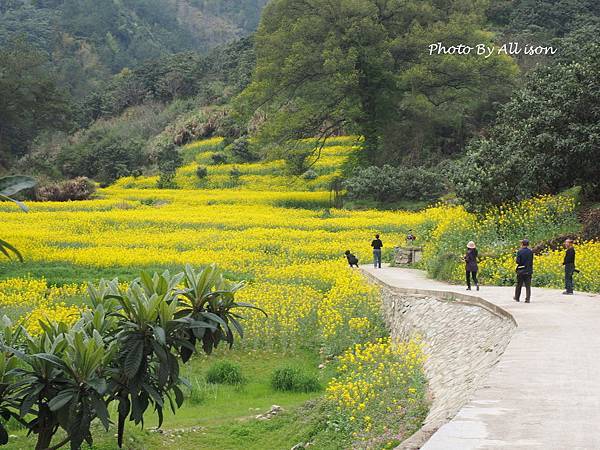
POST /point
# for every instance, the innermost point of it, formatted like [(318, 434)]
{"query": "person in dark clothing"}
[(377, 244), (352, 260), (524, 271), (569, 263), (471, 265)]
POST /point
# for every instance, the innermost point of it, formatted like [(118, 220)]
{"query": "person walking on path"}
[(569, 263), (524, 271), (471, 265), (377, 244)]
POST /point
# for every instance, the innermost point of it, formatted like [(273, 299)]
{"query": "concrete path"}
[(545, 391)]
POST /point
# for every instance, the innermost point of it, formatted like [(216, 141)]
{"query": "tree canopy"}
[(31, 99), (364, 67), (547, 138)]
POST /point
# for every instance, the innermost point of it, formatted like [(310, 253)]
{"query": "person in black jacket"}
[(352, 259), (471, 265), (569, 263), (377, 244), (524, 270)]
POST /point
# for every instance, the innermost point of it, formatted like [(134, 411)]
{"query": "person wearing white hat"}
[(471, 265)]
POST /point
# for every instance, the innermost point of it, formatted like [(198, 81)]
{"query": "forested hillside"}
[(111, 89), (68, 63), (88, 40)]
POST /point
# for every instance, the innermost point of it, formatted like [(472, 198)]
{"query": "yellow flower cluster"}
[(378, 378), (34, 300), (51, 312), (16, 292), (548, 268), (497, 235), (263, 176)]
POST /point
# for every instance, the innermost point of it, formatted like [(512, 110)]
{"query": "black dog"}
[(352, 260)]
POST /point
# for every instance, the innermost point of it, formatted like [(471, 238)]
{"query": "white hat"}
[(471, 244)]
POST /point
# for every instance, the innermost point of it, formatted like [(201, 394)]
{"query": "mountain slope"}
[(87, 40)]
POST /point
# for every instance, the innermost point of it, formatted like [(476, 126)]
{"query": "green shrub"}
[(168, 159), (225, 372), (201, 172), (234, 178), (241, 151), (296, 161), (218, 158), (443, 267), (102, 155), (390, 184), (235, 173), (294, 380), (310, 175), (166, 180)]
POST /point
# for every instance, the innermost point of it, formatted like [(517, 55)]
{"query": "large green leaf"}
[(101, 411), (17, 202), (61, 399), (135, 354), (7, 249), (13, 184)]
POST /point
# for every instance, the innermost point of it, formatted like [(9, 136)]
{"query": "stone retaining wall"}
[(463, 336)]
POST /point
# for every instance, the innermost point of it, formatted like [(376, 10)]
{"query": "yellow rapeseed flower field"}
[(283, 239), (378, 378), (281, 235)]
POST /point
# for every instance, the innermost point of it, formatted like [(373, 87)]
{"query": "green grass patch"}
[(61, 273), (294, 379), (225, 372), (223, 416)]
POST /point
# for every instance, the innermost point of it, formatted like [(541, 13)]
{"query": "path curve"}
[(544, 393)]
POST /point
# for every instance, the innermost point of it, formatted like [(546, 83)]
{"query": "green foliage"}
[(295, 380), (244, 14), (390, 184), (102, 154), (296, 160), (8, 404), (10, 186), (166, 79), (31, 100), (168, 160), (542, 19), (113, 148), (201, 172), (364, 67), (310, 174), (89, 40), (225, 372), (530, 150), (127, 350), (241, 151), (235, 174), (152, 62), (218, 158)]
